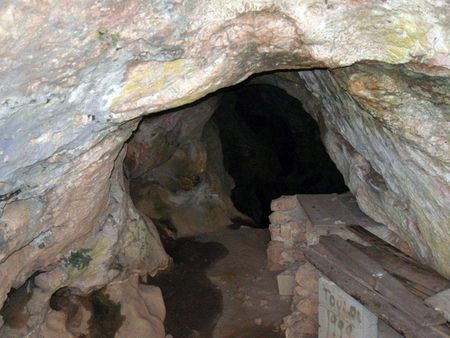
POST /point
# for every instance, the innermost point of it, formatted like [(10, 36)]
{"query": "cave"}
[(224, 168), (241, 148), (271, 147), (265, 141)]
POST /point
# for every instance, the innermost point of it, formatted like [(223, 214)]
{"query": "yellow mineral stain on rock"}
[(375, 93), (146, 79), (99, 250), (406, 35), (173, 68)]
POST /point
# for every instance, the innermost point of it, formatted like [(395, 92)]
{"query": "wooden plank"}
[(345, 251), (376, 303), (426, 281), (372, 274), (441, 330), (417, 289), (349, 202), (325, 210), (333, 211), (327, 215), (344, 264), (385, 331), (417, 276)]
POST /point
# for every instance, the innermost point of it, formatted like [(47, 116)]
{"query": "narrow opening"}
[(271, 147)]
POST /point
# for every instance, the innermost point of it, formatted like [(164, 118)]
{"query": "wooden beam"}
[(372, 273), (331, 267), (426, 281)]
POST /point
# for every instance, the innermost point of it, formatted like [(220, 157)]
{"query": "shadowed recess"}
[(272, 147), (193, 303)]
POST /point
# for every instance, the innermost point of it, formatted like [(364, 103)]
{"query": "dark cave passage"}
[(271, 147), (221, 161), (215, 163)]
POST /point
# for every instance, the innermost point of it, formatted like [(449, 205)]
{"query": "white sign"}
[(342, 316)]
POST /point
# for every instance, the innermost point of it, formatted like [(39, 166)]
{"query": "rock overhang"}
[(73, 73)]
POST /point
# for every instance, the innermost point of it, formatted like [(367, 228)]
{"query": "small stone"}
[(258, 321), (279, 217), (284, 203), (275, 259), (286, 283), (275, 232)]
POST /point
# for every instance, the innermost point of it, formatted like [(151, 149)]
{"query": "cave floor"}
[(252, 306), (219, 287)]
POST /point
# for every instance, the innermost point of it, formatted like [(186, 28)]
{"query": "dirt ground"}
[(219, 287), (251, 307)]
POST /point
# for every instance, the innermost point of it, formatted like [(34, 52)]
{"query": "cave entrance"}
[(271, 147), (222, 160), (215, 163)]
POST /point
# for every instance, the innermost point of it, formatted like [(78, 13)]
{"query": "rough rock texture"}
[(125, 241), (135, 310), (387, 128), (177, 174), (73, 73)]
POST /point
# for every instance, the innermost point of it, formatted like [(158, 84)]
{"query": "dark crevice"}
[(105, 319), (272, 147), (14, 311)]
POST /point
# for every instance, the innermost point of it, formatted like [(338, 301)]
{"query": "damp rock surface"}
[(177, 176)]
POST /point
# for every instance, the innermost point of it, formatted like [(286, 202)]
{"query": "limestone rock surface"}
[(177, 173), (140, 308), (387, 128), (75, 76)]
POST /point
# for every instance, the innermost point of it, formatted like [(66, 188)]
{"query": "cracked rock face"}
[(76, 75)]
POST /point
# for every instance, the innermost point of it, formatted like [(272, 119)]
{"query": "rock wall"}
[(76, 75), (122, 309), (387, 129), (176, 170)]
